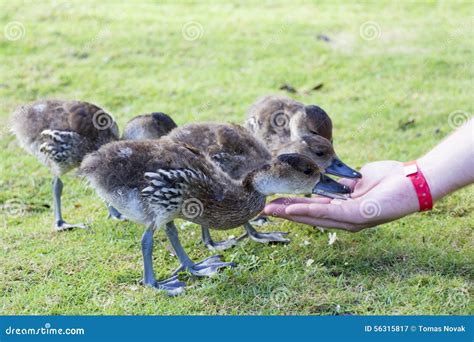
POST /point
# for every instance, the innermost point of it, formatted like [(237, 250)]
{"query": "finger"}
[(318, 199), (342, 211), (325, 223), (277, 207), (351, 183), (274, 209), (320, 222), (312, 210), (279, 200)]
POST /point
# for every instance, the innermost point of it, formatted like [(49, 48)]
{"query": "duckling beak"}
[(338, 168), (328, 187)]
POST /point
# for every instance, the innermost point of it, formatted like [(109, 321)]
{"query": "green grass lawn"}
[(384, 65)]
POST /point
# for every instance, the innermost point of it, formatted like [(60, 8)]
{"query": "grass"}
[(132, 59)]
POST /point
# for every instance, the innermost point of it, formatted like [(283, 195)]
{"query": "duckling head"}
[(313, 120), (321, 151), (293, 173), (148, 126)]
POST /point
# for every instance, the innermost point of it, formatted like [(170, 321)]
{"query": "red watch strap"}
[(422, 188)]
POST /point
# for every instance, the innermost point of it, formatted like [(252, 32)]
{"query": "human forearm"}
[(450, 165)]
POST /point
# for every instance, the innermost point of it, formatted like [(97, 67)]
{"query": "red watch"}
[(422, 188)]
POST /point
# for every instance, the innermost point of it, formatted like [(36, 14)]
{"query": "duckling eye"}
[(308, 171), (320, 154)]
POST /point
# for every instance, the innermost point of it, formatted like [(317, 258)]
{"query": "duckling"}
[(321, 151), (154, 182), (231, 146), (143, 127), (148, 126), (279, 120), (237, 152), (60, 133)]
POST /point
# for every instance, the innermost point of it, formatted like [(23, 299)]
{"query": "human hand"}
[(383, 194)]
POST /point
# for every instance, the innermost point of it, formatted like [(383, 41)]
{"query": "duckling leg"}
[(265, 237), (172, 286), (60, 224), (260, 220), (221, 245), (207, 267), (115, 214)]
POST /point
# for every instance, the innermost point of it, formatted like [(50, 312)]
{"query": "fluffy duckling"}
[(237, 152), (155, 182), (231, 146), (148, 126), (279, 120), (60, 133), (321, 151), (143, 127)]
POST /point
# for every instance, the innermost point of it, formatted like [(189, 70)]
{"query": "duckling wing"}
[(64, 148), (164, 190), (179, 190)]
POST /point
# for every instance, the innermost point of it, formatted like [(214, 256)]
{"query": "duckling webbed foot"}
[(115, 214), (205, 268), (264, 237), (61, 226), (221, 245), (172, 286)]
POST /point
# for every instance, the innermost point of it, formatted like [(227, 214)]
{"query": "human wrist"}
[(419, 185), (431, 171)]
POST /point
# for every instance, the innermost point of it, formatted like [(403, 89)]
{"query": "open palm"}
[(383, 194)]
